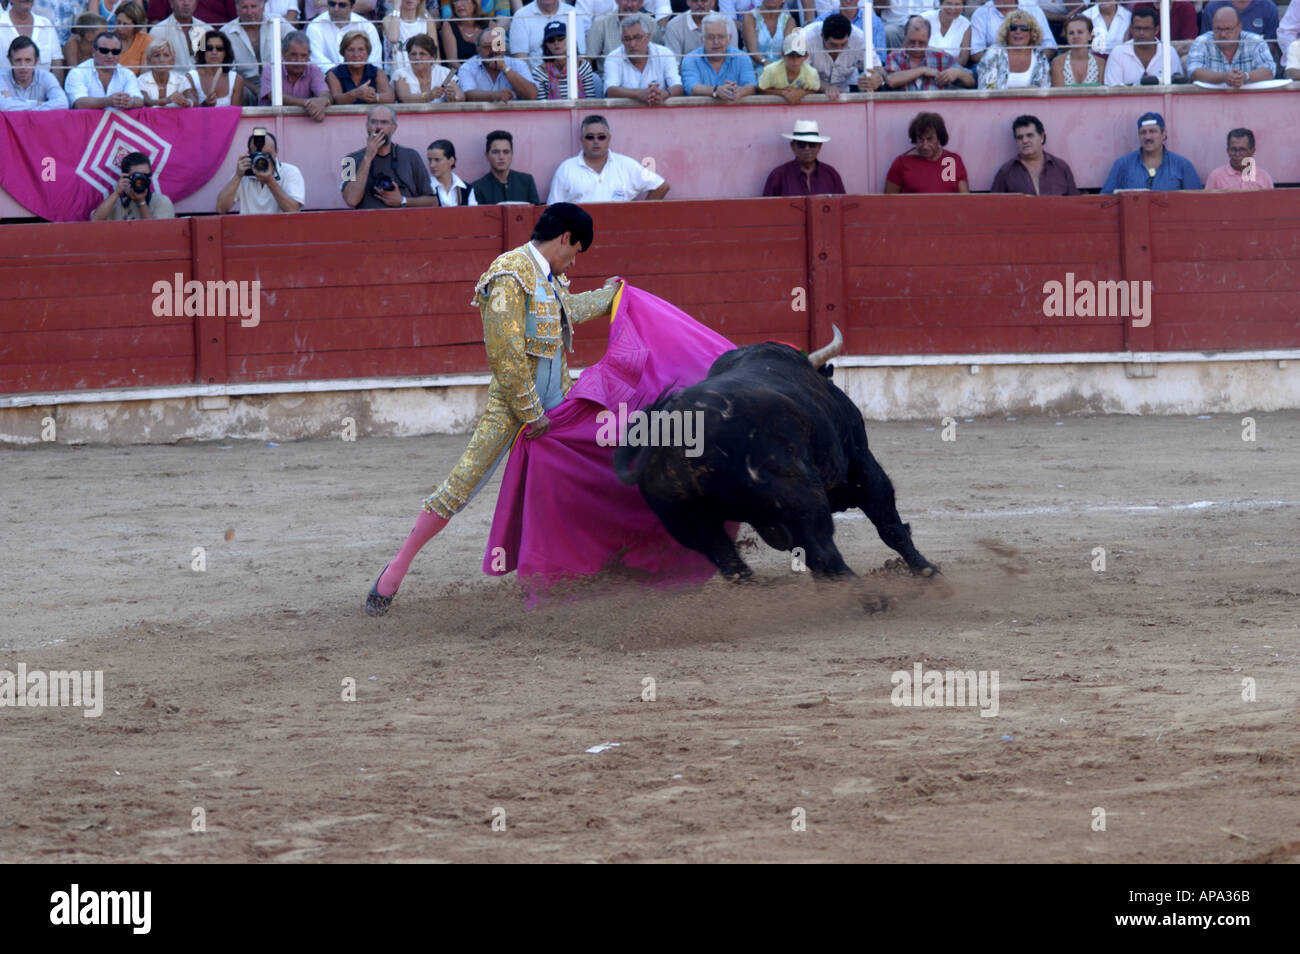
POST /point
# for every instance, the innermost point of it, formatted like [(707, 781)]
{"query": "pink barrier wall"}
[(709, 151)]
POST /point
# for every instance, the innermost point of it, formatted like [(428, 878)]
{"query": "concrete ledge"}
[(884, 387)]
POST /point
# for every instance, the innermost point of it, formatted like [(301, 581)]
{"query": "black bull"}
[(782, 449)]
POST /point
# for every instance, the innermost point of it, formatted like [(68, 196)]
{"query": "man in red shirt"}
[(927, 167), (805, 175)]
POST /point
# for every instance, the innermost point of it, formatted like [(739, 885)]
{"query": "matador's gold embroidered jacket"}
[(524, 317)]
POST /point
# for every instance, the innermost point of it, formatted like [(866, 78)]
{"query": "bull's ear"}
[(827, 370)]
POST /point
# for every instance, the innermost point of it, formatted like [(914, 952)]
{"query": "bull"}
[(782, 449)]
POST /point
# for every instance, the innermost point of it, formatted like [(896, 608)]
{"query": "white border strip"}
[(472, 380)]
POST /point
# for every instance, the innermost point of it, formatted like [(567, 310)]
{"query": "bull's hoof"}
[(928, 571)]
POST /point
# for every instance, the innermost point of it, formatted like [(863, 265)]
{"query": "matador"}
[(528, 318)]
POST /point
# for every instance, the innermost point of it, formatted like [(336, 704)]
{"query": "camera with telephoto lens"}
[(261, 161), (140, 182)]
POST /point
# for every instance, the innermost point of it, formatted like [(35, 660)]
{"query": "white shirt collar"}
[(538, 259)]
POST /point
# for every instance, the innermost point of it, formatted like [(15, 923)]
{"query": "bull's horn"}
[(822, 355)]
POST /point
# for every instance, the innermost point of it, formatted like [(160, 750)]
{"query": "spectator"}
[(1016, 61), (460, 35), (927, 167), (495, 12), (356, 80), (503, 184), (1138, 61), (449, 188), (1292, 62), (132, 28), (1078, 65), (64, 14), (588, 10), (100, 82), (254, 46), (26, 86), (301, 81), (424, 80), (1151, 166), (852, 11), (409, 19), (917, 67), (895, 17), (1241, 173), (134, 197), (370, 10), (685, 32), (326, 34), (986, 23), (791, 78), (218, 84), (950, 30), (719, 69), (268, 188), (639, 69), (1229, 54), (805, 174), (599, 175), (490, 76), (528, 28), (19, 20), (1034, 171), (606, 34), (765, 29), (551, 74), (80, 45), (1257, 16), (210, 11), (184, 29), (385, 175), (1288, 31), (837, 50), (1110, 23), (164, 85)]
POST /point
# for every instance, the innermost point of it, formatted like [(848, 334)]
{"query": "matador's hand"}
[(538, 427)]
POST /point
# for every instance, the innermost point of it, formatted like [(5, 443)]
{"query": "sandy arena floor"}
[(1119, 690)]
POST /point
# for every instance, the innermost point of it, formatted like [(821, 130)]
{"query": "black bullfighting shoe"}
[(377, 605)]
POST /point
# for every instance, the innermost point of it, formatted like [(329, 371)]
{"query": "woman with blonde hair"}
[(1016, 62), (408, 18), (162, 84), (131, 25), (356, 80)]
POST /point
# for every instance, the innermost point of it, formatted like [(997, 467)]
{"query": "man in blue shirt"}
[(1152, 166), (23, 86), (718, 69)]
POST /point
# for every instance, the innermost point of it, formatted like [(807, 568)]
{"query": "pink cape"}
[(562, 514)]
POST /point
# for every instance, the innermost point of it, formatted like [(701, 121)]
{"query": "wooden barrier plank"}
[(376, 362), (96, 373), (74, 281), (356, 227), (354, 334), (106, 344)]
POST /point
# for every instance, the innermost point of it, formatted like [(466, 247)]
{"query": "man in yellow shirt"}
[(791, 77)]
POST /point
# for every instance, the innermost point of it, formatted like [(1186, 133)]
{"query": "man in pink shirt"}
[(1240, 173)]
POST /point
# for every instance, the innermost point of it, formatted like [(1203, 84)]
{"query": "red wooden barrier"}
[(377, 294)]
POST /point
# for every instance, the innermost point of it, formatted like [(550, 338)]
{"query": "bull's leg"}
[(879, 506), (707, 534), (815, 533)]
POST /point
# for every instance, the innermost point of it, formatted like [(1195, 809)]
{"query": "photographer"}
[(134, 197), (262, 184), (384, 174)]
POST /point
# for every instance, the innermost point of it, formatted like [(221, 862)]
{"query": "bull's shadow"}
[(780, 447)]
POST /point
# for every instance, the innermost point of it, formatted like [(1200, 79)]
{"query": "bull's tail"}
[(629, 462)]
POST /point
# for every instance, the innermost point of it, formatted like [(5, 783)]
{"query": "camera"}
[(384, 183), (261, 161), (140, 182)]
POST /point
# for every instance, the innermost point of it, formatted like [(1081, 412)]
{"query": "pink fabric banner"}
[(562, 514), (59, 164)]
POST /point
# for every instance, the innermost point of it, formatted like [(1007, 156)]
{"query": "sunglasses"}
[(1018, 28), (800, 144), (219, 47), (338, 6), (116, 51), (596, 137)]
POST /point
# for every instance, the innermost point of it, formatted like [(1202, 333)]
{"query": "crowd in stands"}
[(181, 53)]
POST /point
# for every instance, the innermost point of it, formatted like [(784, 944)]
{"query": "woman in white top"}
[(950, 30), (1015, 62), (218, 83), (160, 84), (764, 29), (424, 80), (1109, 26), (410, 19), (449, 187)]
